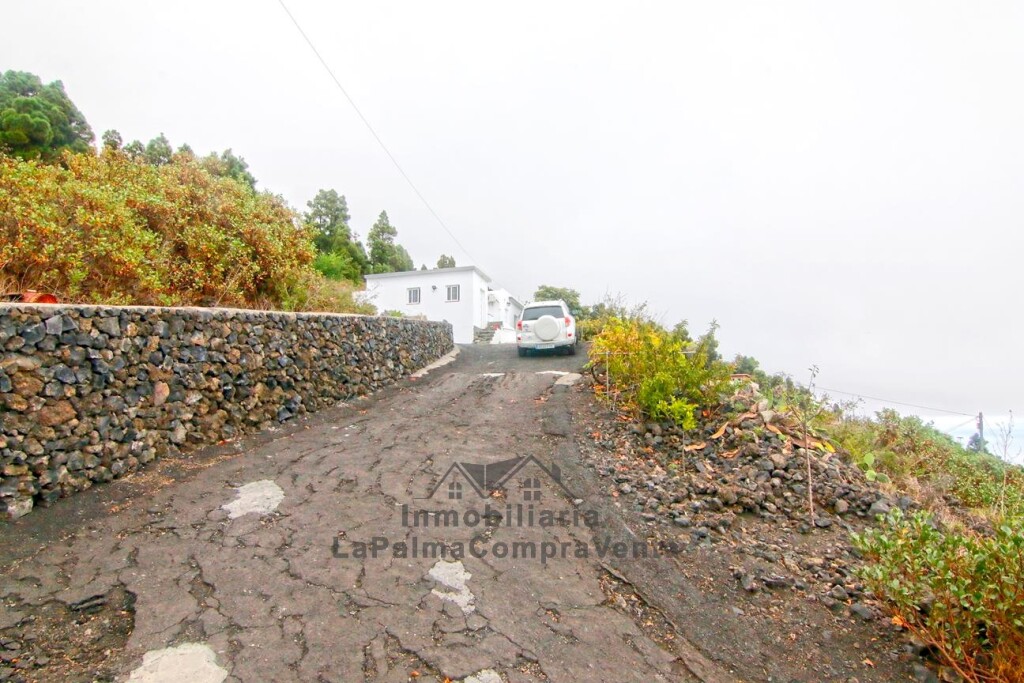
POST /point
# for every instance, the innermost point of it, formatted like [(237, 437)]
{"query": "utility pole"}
[(981, 430)]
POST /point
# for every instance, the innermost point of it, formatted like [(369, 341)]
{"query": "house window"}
[(455, 490), (453, 293), (531, 489), (414, 295)]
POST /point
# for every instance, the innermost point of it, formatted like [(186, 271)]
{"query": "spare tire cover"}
[(546, 328)]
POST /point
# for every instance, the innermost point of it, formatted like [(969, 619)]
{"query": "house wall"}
[(88, 393), (502, 308), (391, 293)]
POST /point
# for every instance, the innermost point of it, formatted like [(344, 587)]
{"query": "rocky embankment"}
[(740, 485)]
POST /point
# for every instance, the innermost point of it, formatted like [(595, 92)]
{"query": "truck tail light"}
[(519, 325), (568, 320)]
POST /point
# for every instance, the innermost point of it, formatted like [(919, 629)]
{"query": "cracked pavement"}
[(264, 586)]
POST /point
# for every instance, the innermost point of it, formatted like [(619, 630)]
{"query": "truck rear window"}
[(539, 311)]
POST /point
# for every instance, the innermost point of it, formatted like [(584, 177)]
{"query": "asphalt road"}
[(245, 559)]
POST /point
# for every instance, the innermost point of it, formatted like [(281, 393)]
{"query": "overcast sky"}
[(835, 183)]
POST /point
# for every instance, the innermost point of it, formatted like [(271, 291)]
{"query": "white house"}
[(463, 296)]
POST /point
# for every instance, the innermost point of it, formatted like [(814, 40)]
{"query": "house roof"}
[(414, 273)]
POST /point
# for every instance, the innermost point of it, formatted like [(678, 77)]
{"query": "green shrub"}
[(658, 374), (657, 396), (315, 293), (963, 593), (336, 265), (109, 229), (114, 230), (898, 448)]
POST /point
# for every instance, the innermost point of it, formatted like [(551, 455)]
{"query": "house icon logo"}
[(524, 474)]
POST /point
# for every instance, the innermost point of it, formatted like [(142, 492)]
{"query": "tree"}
[(710, 343), (342, 254), (135, 150), (158, 151), (229, 165), (681, 331), (403, 260), (746, 365), (112, 140), (976, 444), (445, 261), (570, 296), (328, 216), (39, 121), (385, 255)]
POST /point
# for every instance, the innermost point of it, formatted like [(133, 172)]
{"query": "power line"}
[(898, 403), (373, 132), (962, 424)]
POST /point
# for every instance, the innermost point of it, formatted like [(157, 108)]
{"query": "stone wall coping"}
[(199, 311)]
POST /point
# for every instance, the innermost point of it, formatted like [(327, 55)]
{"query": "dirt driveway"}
[(315, 554)]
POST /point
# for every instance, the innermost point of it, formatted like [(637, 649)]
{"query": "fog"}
[(836, 184)]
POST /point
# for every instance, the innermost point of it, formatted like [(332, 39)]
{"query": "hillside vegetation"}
[(110, 229), (143, 223), (951, 573)]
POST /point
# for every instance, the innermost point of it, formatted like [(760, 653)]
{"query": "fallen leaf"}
[(729, 455), (721, 430), (744, 416), (868, 662), (773, 429), (700, 445)]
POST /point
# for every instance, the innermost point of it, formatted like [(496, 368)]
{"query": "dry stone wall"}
[(90, 393)]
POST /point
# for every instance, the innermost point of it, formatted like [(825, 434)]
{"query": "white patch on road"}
[(453, 576), (260, 496), (564, 378), (443, 360), (492, 374), (485, 676), (192, 662), (568, 379)]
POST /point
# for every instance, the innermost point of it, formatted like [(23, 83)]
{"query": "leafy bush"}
[(656, 372), (315, 293), (962, 593), (590, 320), (337, 265), (902, 448), (109, 229), (657, 396)]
